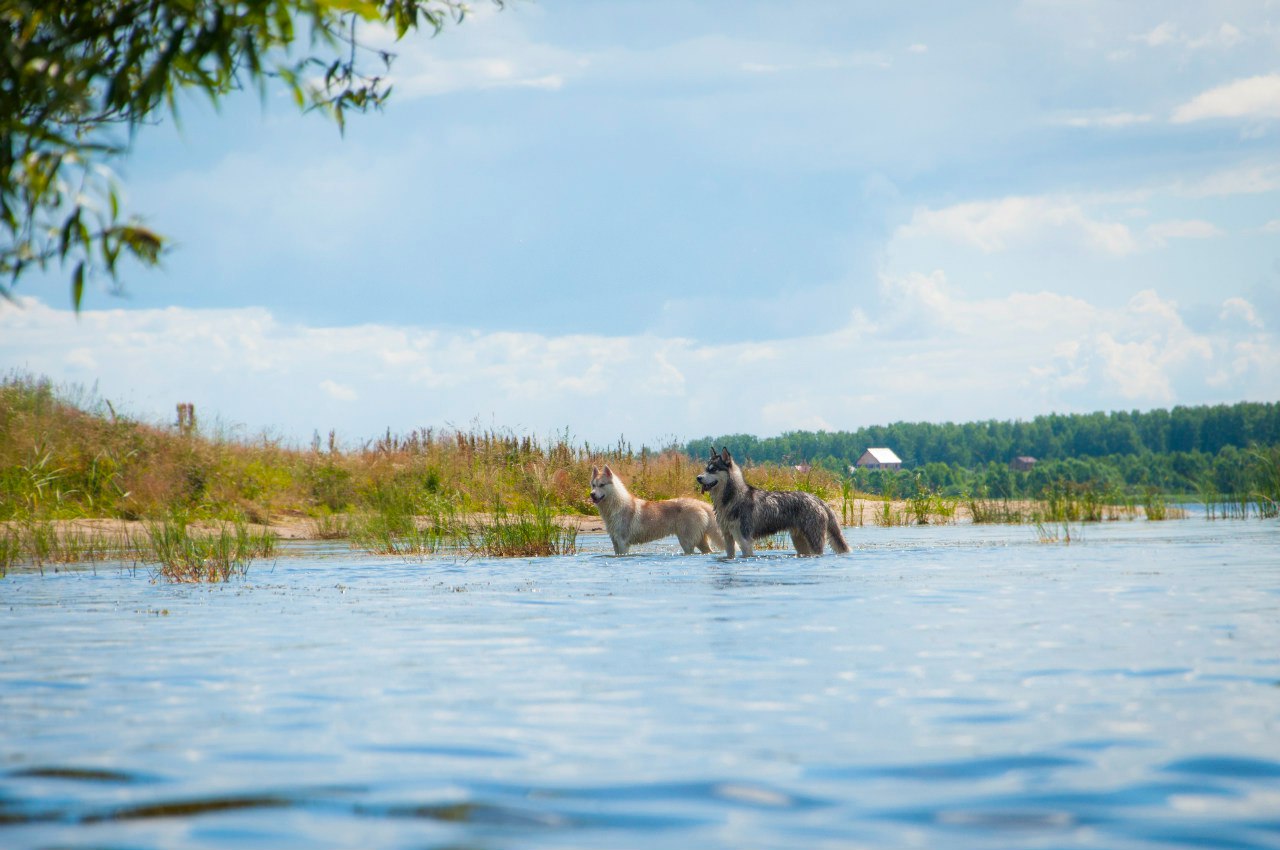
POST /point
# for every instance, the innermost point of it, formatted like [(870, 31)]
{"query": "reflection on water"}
[(956, 686)]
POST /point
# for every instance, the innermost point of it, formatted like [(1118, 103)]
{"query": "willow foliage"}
[(78, 78)]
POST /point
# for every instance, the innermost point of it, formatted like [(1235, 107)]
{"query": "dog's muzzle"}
[(597, 499), (706, 488)]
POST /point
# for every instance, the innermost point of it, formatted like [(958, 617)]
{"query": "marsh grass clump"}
[(215, 555), (851, 507), (38, 542), (1155, 506), (383, 534), (330, 526), (1053, 532), (10, 550), (404, 516), (995, 511), (887, 515), (523, 534), (1064, 503), (1266, 481), (929, 507)]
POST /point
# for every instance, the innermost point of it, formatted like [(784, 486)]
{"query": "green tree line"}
[(1182, 450)]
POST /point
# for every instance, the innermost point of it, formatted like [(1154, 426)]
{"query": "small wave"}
[(1227, 767), (83, 774), (965, 769)]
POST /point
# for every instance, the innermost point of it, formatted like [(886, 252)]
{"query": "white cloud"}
[(341, 392), (993, 226), (81, 358), (1105, 119), (1227, 35), (488, 51), (1245, 179), (927, 352), (1164, 33), (821, 62), (1253, 97), (1162, 232), (1239, 308), (1272, 226)]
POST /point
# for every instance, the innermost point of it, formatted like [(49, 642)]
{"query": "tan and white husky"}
[(629, 519)]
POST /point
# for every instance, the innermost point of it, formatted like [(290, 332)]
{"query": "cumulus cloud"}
[(993, 226), (1253, 97), (928, 352), (1239, 308)]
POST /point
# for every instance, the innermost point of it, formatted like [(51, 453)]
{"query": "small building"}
[(1022, 463), (879, 459)]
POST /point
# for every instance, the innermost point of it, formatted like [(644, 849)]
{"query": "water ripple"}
[(1227, 767), (964, 769), (950, 687)]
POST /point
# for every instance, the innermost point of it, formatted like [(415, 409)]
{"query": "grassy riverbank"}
[(67, 457), (198, 504)]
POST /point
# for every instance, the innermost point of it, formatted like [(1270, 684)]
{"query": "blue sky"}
[(668, 220)]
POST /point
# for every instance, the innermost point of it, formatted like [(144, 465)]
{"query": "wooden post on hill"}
[(186, 418)]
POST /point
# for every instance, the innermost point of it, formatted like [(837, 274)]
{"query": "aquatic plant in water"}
[(212, 556), (42, 541), (523, 534)]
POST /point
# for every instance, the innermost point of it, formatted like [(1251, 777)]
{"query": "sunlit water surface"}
[(940, 687)]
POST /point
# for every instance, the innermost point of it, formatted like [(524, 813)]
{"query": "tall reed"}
[(1266, 481)]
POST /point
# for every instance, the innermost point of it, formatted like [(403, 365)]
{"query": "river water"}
[(957, 686)]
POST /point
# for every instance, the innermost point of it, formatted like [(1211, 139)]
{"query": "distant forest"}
[(1184, 450)]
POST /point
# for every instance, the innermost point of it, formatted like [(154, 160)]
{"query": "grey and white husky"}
[(745, 513), (629, 519)]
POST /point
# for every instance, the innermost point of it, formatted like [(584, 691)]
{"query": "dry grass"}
[(66, 457)]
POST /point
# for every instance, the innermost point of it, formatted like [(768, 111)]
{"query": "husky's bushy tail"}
[(834, 535)]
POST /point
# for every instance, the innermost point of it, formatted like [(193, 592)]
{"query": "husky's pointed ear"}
[(725, 456), (595, 472), (713, 453), (608, 473)]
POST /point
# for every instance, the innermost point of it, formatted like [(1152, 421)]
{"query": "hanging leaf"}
[(77, 286)]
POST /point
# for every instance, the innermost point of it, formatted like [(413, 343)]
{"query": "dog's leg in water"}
[(802, 543), (704, 545), (748, 551)]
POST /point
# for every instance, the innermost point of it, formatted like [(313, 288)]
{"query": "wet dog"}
[(631, 520), (745, 513)]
